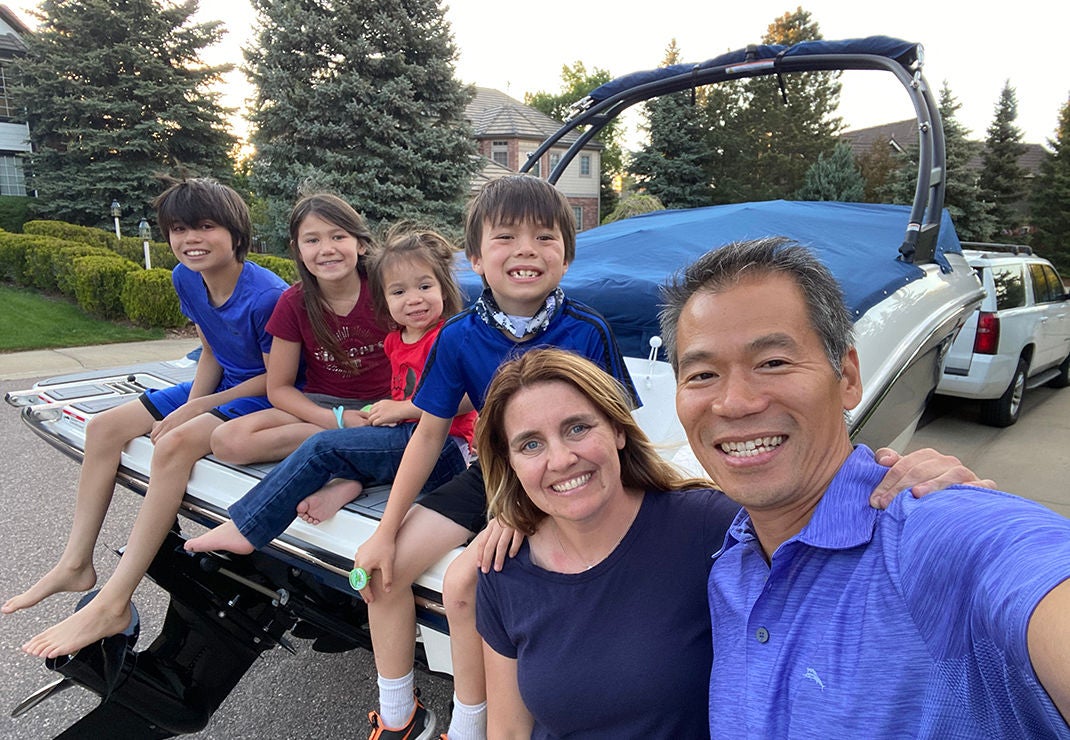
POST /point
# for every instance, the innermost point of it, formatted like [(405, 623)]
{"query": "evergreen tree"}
[(577, 82), (359, 98), (1051, 197), (673, 165), (778, 134), (835, 177), (1002, 180), (963, 198), (115, 94), (877, 165)]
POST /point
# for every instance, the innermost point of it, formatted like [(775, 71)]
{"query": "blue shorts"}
[(162, 402)]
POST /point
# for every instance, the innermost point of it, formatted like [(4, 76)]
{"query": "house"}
[(507, 132), (14, 137)]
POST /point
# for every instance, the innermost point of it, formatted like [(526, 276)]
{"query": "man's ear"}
[(850, 380)]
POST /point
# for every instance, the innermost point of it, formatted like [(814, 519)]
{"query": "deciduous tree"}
[(115, 94), (359, 98)]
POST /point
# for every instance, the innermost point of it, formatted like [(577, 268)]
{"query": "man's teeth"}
[(571, 484), (752, 447), (525, 273)]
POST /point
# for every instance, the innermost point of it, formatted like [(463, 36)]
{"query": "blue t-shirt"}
[(904, 623), (236, 331), (621, 650), (469, 351)]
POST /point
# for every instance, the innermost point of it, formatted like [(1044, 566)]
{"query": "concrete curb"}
[(45, 363)]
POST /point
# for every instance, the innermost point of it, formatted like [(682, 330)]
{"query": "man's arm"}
[(1048, 639)]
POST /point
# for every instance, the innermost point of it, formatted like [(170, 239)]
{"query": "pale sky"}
[(520, 48)]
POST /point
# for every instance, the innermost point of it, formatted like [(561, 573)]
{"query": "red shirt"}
[(406, 366), (359, 334)]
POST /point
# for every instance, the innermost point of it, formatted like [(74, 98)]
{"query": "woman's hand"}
[(923, 471), (494, 543)]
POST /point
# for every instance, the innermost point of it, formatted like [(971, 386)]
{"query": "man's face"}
[(761, 405), (522, 263)]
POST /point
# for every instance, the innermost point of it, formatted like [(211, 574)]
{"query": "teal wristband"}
[(338, 416)]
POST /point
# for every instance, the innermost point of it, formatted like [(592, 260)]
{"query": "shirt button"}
[(762, 635)]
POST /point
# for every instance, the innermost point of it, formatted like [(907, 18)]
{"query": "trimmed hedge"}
[(71, 232), (63, 264), (98, 284), (149, 299), (42, 255), (134, 250), (284, 267), (14, 210), (13, 257)]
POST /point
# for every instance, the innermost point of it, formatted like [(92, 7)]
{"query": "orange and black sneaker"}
[(421, 726)]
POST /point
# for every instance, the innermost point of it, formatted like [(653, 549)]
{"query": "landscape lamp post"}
[(145, 232), (115, 211)]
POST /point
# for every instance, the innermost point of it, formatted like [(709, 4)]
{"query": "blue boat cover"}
[(620, 267), (885, 46)]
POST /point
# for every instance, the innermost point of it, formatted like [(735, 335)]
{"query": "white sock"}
[(469, 721), (396, 700)]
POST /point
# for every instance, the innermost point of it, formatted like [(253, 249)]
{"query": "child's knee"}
[(229, 447), (459, 586)]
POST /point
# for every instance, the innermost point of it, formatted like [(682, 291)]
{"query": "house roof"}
[(9, 17), (493, 114), (902, 134)]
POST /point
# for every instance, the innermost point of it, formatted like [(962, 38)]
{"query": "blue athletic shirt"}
[(236, 331), (468, 352), (905, 623)]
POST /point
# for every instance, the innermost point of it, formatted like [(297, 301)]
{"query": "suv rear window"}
[(1009, 285)]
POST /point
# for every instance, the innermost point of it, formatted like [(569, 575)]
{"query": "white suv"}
[(1018, 338)]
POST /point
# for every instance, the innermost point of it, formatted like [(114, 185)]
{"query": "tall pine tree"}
[(359, 98), (673, 166), (1051, 197), (1002, 180), (115, 94)]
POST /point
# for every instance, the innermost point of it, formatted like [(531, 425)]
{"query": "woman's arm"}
[(507, 717)]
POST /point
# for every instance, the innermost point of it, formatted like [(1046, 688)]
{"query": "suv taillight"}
[(986, 341)]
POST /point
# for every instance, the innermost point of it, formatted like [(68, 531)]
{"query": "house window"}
[(7, 109), (536, 167), (555, 159), (12, 179), (499, 152), (577, 213), (585, 165)]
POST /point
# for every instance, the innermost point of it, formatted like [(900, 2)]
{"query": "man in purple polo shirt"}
[(945, 616)]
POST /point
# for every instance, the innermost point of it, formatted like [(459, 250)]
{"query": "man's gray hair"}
[(723, 268)]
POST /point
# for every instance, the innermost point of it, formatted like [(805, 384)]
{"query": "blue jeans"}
[(368, 454)]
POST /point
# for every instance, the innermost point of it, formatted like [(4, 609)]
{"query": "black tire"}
[(1003, 411), (1062, 380)]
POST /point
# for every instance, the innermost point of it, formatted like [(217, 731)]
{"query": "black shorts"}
[(463, 500)]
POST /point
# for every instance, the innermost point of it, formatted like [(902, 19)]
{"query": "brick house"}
[(507, 131), (14, 137)]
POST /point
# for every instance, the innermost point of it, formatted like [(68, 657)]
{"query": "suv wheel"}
[(1003, 411), (1062, 380)]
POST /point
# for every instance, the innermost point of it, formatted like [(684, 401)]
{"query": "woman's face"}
[(564, 451)]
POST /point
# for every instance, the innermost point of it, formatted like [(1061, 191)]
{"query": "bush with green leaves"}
[(149, 299), (72, 232), (42, 256), (284, 267), (63, 264), (133, 249), (14, 210), (12, 256), (98, 284)]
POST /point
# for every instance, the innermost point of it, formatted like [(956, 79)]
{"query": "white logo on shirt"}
[(812, 675)]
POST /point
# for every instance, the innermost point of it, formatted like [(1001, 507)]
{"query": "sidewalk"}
[(44, 363)]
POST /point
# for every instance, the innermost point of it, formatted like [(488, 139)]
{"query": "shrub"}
[(63, 264), (634, 205), (13, 257), (14, 210), (98, 284), (71, 232), (42, 255), (133, 249), (149, 299), (284, 267)]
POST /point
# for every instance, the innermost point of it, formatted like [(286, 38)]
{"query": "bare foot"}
[(325, 503), (95, 621), (60, 579), (225, 537)]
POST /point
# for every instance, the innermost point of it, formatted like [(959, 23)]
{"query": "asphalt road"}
[(312, 695)]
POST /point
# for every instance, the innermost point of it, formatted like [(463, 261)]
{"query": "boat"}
[(901, 269)]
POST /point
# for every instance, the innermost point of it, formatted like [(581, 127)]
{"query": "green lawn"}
[(29, 320)]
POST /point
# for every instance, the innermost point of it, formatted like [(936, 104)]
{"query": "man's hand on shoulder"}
[(923, 471)]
